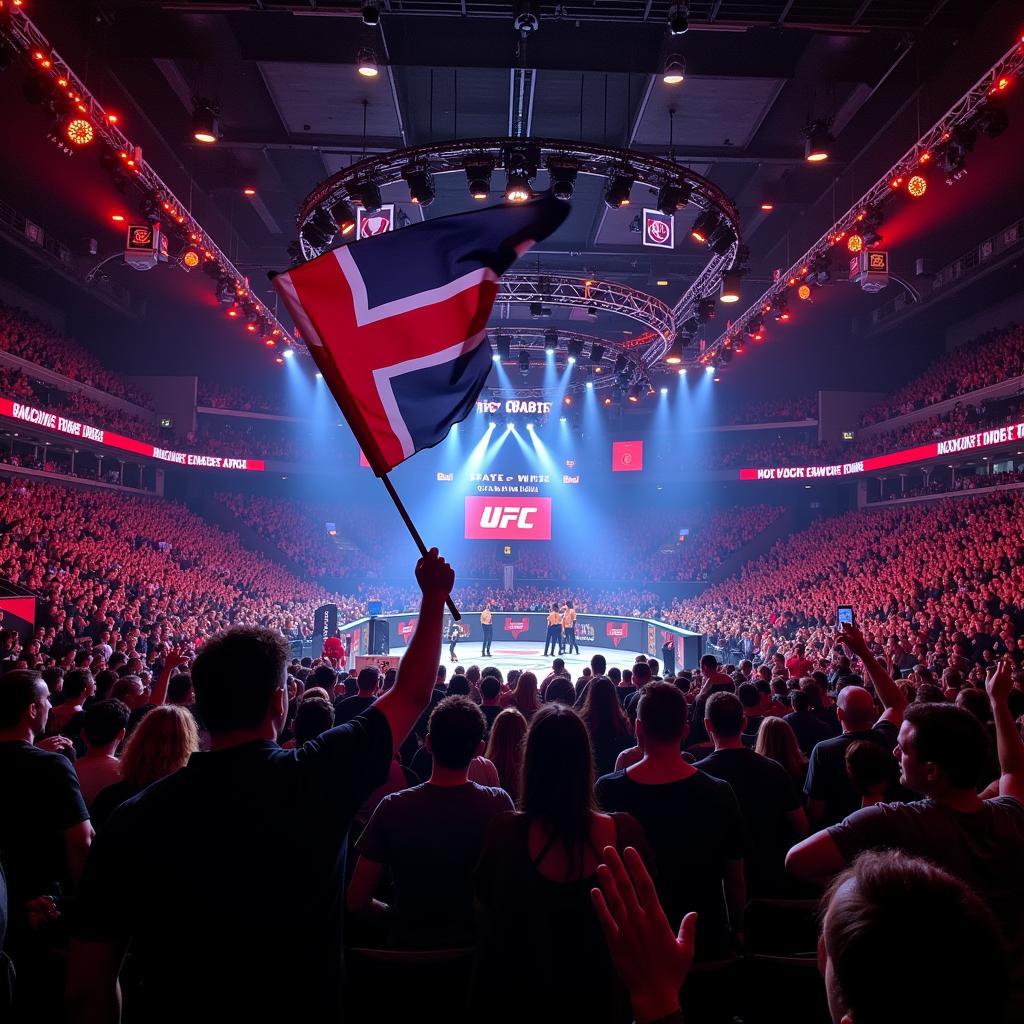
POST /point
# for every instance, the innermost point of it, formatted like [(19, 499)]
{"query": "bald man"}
[(831, 797)]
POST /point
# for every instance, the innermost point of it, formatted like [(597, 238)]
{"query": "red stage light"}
[(855, 243), (232, 311), (783, 316), (117, 218), (79, 132), (804, 291), (767, 205), (112, 118), (251, 328), (279, 360), (248, 191), (917, 186), (269, 342), (190, 258)]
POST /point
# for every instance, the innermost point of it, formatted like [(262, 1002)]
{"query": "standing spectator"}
[(606, 722), (505, 749), (45, 831), (429, 839), (104, 727), (776, 739), (269, 814), (691, 820), (524, 697), (534, 881), (808, 728), (490, 692), (768, 800), (367, 684)]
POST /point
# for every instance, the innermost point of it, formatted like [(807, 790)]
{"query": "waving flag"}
[(395, 323)]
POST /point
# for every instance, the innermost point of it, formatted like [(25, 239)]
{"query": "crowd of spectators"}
[(22, 335), (990, 358), (949, 483), (778, 410), (232, 396), (634, 824)]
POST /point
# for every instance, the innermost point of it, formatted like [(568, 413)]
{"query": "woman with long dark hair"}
[(534, 880), (524, 697), (607, 724)]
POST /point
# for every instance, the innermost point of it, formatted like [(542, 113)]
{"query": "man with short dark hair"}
[(714, 681), (553, 639), (367, 684), (430, 838), (691, 820), (490, 692), (45, 830), (78, 687), (769, 802), (942, 751), (103, 728), (232, 830)]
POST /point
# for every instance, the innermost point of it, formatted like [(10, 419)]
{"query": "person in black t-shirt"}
[(769, 802), (45, 830), (692, 822), (189, 871), (430, 838), (490, 691), (367, 683)]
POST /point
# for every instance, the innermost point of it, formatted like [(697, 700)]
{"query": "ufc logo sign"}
[(497, 517), (508, 519)]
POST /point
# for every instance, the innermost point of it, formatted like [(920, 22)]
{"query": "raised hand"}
[(652, 960), (55, 744), (434, 575), (999, 681), (852, 637)]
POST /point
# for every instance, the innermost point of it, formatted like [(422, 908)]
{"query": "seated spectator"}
[(161, 745), (524, 695), (692, 822), (429, 839), (606, 722), (505, 749), (45, 834), (769, 803), (269, 814), (561, 691), (534, 880), (942, 751), (104, 726)]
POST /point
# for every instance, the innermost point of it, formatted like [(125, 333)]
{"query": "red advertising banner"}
[(1012, 433), (616, 631), (58, 423), (501, 518), (627, 456)]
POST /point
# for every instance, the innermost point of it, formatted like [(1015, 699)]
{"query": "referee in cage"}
[(485, 623)]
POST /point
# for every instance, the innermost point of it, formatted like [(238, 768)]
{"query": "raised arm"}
[(173, 659), (888, 692), (403, 704), (1009, 745)]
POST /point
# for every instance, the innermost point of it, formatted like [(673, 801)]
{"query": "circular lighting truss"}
[(599, 373)]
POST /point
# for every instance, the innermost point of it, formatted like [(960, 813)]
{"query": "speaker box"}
[(379, 637)]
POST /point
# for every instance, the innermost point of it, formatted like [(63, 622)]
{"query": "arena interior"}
[(512, 511)]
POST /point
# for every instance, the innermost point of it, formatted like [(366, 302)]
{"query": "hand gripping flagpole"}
[(386, 480)]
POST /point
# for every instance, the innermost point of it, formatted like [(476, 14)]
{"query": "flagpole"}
[(415, 535)]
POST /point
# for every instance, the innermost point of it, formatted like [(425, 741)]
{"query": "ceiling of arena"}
[(293, 110)]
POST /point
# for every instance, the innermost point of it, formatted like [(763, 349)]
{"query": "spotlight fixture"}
[(478, 177), (678, 19), (620, 362), (366, 63), (524, 361), (367, 194), (78, 131), (673, 197), (675, 70), (204, 122), (421, 184), (371, 13), (503, 343), (616, 193), (917, 185), (225, 290), (690, 325), (704, 226), (634, 393), (722, 240), (591, 311), (767, 202), (803, 292), (674, 356), (596, 354), (538, 310), (249, 191), (781, 310), (563, 178), (574, 349), (855, 242), (730, 286), (550, 340), (870, 223), (754, 328), (520, 168), (343, 217), (818, 144), (992, 119), (526, 16), (190, 258)]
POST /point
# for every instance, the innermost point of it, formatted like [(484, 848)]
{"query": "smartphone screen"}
[(845, 614)]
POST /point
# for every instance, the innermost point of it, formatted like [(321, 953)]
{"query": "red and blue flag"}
[(396, 322)]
